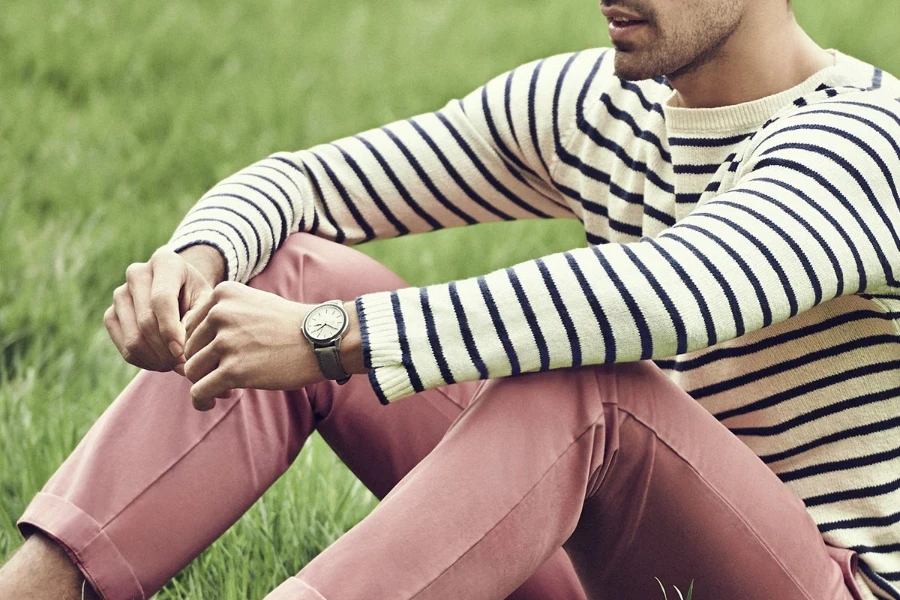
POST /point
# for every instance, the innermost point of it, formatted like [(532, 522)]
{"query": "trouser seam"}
[(722, 498), (173, 464), (509, 512)]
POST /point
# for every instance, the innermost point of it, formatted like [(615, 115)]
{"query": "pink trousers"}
[(569, 484)]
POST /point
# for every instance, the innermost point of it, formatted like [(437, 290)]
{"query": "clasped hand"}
[(230, 336)]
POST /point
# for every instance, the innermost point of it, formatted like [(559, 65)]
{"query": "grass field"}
[(115, 117)]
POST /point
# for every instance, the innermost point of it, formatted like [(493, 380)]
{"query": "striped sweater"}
[(749, 251)]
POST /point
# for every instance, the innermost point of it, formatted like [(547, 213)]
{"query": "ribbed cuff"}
[(382, 352), (181, 242), (92, 551)]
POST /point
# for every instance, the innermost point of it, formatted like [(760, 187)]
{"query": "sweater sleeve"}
[(813, 214), (486, 157)]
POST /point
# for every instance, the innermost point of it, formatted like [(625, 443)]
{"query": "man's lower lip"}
[(619, 32)]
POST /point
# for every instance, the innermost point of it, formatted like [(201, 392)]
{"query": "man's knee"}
[(311, 269)]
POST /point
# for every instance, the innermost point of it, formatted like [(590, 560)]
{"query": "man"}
[(706, 392)]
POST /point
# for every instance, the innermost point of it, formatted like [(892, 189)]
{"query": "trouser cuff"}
[(86, 543), (294, 589)]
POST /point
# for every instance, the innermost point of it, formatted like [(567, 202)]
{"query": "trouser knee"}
[(310, 269)]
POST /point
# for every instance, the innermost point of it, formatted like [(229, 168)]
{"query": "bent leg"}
[(701, 506), (154, 482), (618, 463)]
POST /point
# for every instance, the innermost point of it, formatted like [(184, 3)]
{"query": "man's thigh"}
[(685, 500)]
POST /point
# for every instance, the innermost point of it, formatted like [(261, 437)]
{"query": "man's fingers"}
[(201, 364), (197, 314), (201, 336), (215, 385), (139, 282), (168, 277), (131, 343)]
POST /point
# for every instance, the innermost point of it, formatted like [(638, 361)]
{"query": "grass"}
[(115, 117)]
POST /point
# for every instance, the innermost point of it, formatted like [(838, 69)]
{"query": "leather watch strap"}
[(330, 364)]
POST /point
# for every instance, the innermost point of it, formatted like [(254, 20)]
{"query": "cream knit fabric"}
[(751, 251)]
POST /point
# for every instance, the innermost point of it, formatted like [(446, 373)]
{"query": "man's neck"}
[(763, 57)]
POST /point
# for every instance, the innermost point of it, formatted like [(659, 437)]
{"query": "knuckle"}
[(146, 322), (159, 299), (133, 270), (225, 289), (120, 292)]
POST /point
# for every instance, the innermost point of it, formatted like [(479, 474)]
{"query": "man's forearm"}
[(207, 260)]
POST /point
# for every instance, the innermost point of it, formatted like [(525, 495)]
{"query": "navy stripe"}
[(405, 357), (500, 328), (671, 309), (401, 189), (232, 225), (349, 202), (373, 193), (860, 179), (850, 206), (693, 142), (533, 324), (426, 180), (711, 337), (836, 225), (273, 167), (495, 183), (805, 388), (278, 207), (466, 332), (495, 134), (814, 280), (284, 193), (562, 311), (689, 169), (609, 341), (745, 268), (858, 523), (870, 491), (789, 240), (248, 201), (457, 178), (637, 91), (726, 353), (877, 79), (205, 242), (759, 375), (770, 258), (642, 134), (637, 316), (507, 104), (239, 214), (840, 465), (532, 116), (596, 136), (880, 581), (339, 236), (192, 232), (819, 413), (433, 340), (601, 209), (719, 278)]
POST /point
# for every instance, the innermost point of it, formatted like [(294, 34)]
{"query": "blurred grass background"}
[(116, 116)]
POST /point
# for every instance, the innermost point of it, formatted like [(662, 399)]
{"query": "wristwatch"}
[(324, 326)]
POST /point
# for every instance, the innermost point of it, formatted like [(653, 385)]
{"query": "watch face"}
[(324, 323)]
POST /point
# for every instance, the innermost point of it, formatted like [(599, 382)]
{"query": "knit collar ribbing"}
[(748, 115)]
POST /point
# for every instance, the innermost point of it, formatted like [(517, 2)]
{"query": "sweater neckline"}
[(747, 115)]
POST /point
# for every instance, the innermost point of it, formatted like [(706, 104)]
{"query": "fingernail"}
[(175, 349)]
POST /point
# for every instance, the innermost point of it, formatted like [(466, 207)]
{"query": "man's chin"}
[(629, 67)]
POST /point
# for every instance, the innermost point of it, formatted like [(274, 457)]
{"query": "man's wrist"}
[(351, 354), (206, 259)]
